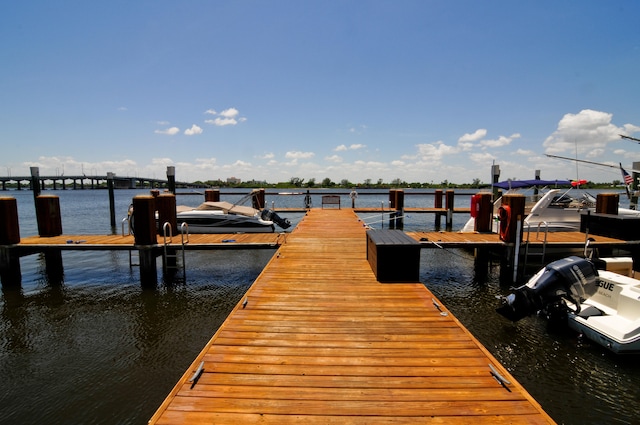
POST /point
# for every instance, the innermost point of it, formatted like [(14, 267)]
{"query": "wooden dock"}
[(318, 340), (119, 242), (553, 239)]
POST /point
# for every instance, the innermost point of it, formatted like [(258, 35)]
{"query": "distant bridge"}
[(87, 182)]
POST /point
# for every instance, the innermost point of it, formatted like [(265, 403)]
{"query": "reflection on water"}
[(575, 380), (86, 344), (103, 350)]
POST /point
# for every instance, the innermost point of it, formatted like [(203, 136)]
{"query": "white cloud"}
[(585, 131), (434, 152), (193, 130), (169, 131), (482, 158), (205, 163), (525, 152), (500, 141), (334, 158), (353, 147), (472, 137), (221, 122), (299, 155), (226, 117), (229, 113), (595, 153)]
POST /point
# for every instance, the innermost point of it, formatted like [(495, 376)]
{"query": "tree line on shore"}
[(327, 183)]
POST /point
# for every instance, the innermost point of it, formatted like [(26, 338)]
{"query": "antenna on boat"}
[(577, 174), (629, 138)]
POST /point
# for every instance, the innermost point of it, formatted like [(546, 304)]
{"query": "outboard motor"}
[(270, 215), (571, 278)]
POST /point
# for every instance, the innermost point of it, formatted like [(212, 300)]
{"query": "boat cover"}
[(516, 184), (228, 208)]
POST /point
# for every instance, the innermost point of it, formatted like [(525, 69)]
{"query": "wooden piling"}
[(511, 212), (212, 195), (258, 198), (112, 202), (392, 206), (449, 201), (399, 220), (166, 207), (48, 215), (144, 223), (9, 226), (437, 203), (484, 213), (171, 179), (607, 203)]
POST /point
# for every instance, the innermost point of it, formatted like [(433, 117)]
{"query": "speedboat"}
[(552, 210), (225, 217), (598, 299)]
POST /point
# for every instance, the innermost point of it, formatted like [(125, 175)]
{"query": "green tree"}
[(296, 181)]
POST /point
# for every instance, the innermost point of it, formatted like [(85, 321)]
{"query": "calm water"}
[(97, 348)]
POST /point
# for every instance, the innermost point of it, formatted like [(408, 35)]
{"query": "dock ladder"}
[(543, 252), (170, 255)]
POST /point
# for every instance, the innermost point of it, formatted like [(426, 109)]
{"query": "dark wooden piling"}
[(10, 273), (48, 215), (484, 212), (437, 203), (166, 207), (449, 203), (9, 226), (144, 224), (258, 198), (392, 206), (399, 205), (35, 181), (171, 179), (53, 266), (212, 195), (607, 203), (112, 202), (511, 215)]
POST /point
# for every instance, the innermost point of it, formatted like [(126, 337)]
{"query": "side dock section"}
[(317, 339)]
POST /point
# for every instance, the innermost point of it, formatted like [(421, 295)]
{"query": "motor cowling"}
[(572, 278), (270, 215)]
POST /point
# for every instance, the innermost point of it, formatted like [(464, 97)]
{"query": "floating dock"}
[(317, 339)]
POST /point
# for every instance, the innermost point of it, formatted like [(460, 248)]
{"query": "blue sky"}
[(423, 91)]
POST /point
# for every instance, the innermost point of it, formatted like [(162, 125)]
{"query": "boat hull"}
[(200, 222), (581, 325)]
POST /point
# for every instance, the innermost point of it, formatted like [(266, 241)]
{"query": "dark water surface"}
[(96, 348)]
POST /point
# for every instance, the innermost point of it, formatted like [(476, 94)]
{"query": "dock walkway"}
[(318, 340)]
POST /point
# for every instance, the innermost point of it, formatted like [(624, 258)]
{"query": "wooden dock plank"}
[(317, 339), (127, 242)]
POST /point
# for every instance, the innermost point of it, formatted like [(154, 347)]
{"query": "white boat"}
[(553, 210), (225, 217), (603, 305)]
